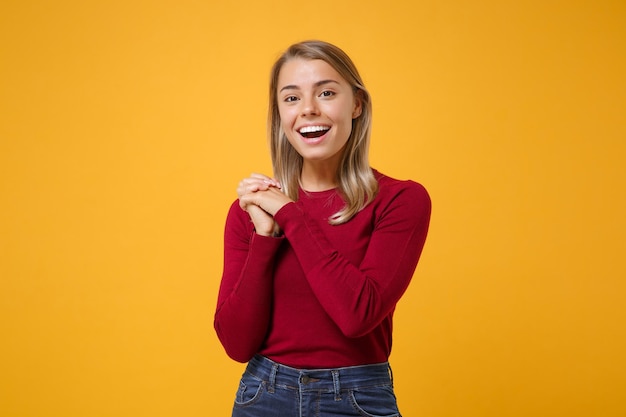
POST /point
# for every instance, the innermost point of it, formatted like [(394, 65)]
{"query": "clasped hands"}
[(262, 197)]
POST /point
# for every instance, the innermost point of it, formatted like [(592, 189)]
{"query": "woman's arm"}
[(243, 307), (359, 297)]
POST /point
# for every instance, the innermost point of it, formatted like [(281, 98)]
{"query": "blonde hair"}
[(357, 184)]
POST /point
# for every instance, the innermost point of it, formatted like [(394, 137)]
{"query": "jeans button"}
[(305, 379)]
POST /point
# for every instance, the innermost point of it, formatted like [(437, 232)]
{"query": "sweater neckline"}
[(317, 194), (330, 192)]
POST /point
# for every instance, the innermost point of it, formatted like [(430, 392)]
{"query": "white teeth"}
[(311, 129)]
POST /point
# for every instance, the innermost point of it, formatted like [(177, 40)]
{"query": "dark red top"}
[(322, 296)]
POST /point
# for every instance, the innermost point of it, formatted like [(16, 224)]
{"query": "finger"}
[(247, 187), (247, 200), (267, 180), (257, 183)]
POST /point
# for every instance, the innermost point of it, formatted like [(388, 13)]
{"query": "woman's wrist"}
[(274, 232)]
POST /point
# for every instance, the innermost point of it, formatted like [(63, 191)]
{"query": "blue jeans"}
[(270, 389)]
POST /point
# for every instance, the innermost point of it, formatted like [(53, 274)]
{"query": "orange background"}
[(126, 125)]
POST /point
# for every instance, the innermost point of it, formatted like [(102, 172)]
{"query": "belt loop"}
[(390, 374), (272, 378), (335, 374)]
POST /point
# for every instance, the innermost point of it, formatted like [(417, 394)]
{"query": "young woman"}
[(316, 257)]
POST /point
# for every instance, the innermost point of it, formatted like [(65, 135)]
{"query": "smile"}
[(311, 132)]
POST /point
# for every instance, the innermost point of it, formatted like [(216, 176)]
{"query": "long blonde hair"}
[(357, 184)]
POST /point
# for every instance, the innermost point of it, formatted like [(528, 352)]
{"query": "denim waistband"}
[(332, 379)]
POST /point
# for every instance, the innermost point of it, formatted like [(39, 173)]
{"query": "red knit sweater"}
[(322, 296)]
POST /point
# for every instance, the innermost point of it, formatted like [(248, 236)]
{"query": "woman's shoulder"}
[(389, 187), (405, 198)]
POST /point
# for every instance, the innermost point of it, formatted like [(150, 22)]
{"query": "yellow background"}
[(126, 125)]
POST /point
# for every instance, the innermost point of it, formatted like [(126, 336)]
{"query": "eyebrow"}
[(317, 84)]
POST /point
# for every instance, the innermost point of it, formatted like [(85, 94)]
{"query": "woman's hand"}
[(261, 197), (256, 182)]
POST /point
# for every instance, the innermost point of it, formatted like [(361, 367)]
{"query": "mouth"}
[(312, 132)]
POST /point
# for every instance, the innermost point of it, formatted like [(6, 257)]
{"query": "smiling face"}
[(316, 107)]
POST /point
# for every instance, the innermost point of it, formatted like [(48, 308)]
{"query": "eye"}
[(290, 99), (327, 93)]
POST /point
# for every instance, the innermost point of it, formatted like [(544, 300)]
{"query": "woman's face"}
[(316, 107)]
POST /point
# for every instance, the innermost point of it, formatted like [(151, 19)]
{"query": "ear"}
[(358, 104)]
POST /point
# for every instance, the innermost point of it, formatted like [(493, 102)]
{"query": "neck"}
[(318, 177)]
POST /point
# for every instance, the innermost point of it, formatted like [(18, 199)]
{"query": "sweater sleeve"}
[(243, 309), (359, 297)]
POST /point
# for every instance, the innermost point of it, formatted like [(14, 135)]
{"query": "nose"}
[(309, 107)]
